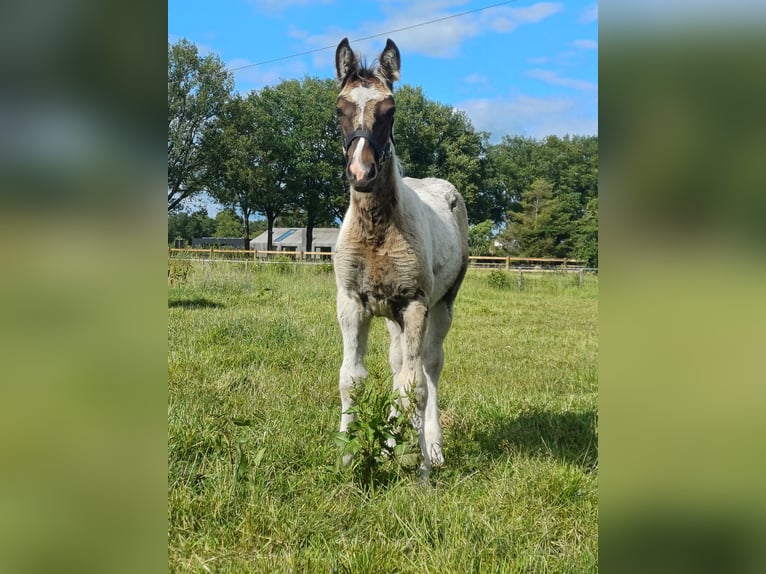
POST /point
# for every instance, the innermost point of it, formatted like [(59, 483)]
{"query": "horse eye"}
[(338, 112)]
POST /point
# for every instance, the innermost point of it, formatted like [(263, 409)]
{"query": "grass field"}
[(253, 409)]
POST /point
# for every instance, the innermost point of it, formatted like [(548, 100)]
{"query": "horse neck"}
[(379, 209)]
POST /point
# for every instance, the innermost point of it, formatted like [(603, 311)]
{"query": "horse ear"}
[(346, 61), (390, 61)]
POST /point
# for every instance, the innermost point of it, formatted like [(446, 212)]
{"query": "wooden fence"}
[(475, 261)]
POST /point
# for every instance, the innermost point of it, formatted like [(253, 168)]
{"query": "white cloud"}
[(507, 19), (552, 78), (585, 44), (531, 117), (438, 39)]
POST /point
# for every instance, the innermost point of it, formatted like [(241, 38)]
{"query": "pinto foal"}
[(402, 251)]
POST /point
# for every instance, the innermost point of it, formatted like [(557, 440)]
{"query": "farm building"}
[(294, 239), (218, 242)]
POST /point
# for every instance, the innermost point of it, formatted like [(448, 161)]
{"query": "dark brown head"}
[(366, 111)]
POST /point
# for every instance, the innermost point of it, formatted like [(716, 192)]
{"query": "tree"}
[(586, 235), (182, 225), (238, 171), (435, 140), (310, 139), (317, 176), (550, 188), (480, 238), (532, 232), (197, 90), (274, 146), (228, 224)]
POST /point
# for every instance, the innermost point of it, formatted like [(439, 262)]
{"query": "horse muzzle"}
[(360, 177), (362, 154)]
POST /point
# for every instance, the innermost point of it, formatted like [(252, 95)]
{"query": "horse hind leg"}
[(395, 360), (440, 320)]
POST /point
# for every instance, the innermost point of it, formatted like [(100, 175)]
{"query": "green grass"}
[(253, 409)]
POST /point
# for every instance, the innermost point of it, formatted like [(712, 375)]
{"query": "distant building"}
[(294, 239), (218, 242)]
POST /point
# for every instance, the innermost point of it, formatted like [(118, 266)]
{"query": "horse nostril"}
[(373, 172)]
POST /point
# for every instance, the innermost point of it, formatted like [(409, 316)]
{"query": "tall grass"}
[(253, 410)]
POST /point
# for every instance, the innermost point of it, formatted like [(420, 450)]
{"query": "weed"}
[(178, 270), (380, 443)]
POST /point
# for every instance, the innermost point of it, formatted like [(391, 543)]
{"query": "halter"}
[(381, 155)]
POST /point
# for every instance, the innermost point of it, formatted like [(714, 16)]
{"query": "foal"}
[(402, 251)]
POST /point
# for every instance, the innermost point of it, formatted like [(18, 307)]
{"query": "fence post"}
[(520, 281), (580, 277), (507, 263)]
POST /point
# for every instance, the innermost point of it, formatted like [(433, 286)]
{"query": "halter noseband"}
[(381, 155)]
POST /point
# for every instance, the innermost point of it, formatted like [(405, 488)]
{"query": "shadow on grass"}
[(566, 436), (195, 303)]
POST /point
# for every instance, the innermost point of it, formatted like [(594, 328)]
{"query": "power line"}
[(372, 36)]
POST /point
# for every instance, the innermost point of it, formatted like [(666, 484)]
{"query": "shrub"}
[(499, 279)]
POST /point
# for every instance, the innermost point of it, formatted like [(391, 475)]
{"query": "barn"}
[(294, 239)]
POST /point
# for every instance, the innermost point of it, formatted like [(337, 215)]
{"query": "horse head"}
[(365, 109)]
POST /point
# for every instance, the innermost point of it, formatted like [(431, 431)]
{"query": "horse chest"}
[(384, 281)]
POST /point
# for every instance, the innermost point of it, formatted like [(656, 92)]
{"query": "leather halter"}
[(381, 154)]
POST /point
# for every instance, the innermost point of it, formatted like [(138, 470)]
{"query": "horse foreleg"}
[(355, 327), (410, 379)]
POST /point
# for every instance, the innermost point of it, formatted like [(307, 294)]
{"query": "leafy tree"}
[(182, 225), (532, 231), (197, 90), (228, 224), (481, 238), (435, 140), (310, 138), (550, 188), (586, 235), (274, 145), (238, 173)]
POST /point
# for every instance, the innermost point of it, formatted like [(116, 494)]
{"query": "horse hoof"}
[(437, 457)]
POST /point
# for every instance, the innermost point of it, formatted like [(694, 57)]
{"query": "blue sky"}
[(523, 68)]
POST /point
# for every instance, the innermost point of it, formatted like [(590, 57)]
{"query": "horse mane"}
[(367, 73)]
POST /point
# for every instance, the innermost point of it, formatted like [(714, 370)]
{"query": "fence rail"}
[(475, 261)]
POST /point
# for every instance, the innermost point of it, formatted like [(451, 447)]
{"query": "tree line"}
[(274, 156)]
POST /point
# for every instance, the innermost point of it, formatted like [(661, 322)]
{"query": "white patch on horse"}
[(356, 165), (359, 96)]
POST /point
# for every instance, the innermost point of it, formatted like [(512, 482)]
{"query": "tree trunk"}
[(270, 217), (309, 232), (247, 231)]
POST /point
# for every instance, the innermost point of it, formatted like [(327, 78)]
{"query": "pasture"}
[(253, 408)]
